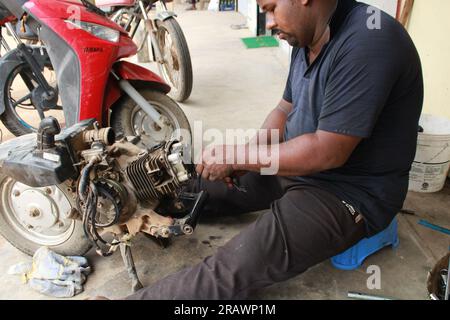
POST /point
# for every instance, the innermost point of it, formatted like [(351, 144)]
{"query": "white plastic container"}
[(432, 162)]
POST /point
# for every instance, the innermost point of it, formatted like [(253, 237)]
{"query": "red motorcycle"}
[(85, 50), (80, 187)]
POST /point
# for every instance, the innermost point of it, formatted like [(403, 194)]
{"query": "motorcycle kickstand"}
[(127, 257)]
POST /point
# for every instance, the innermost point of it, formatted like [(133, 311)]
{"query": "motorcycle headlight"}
[(99, 31)]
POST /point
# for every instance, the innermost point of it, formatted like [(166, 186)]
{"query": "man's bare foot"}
[(191, 8)]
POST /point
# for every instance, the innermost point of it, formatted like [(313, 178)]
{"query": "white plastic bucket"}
[(432, 162)]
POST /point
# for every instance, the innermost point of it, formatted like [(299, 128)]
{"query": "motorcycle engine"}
[(127, 184), (115, 185), (149, 175)]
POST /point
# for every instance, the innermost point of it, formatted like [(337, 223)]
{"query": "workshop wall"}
[(429, 26)]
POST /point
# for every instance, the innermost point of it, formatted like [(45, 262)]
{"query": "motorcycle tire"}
[(178, 59), (71, 241), (11, 118), (128, 119)]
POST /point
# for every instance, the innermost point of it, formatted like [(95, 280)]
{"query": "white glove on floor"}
[(53, 274)]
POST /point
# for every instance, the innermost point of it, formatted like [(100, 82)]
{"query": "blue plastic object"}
[(354, 257)]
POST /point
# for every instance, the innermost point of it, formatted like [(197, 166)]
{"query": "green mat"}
[(260, 42)]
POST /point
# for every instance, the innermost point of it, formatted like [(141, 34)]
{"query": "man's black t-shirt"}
[(367, 82)]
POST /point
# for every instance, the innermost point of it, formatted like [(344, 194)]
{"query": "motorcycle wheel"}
[(20, 116), (128, 119), (177, 67), (34, 217)]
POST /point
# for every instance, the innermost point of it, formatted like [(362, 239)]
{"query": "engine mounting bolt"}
[(16, 193), (165, 232), (60, 224), (188, 230), (48, 191)]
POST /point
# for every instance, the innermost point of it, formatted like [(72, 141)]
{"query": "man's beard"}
[(293, 41), (287, 37)]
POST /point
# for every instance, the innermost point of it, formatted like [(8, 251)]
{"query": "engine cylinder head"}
[(158, 173)]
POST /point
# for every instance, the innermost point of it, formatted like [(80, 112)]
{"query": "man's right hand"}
[(229, 181)]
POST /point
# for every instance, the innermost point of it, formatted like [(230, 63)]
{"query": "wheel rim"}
[(148, 131), (171, 68), (19, 100), (37, 214)]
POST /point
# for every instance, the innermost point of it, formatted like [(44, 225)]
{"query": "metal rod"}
[(137, 22), (144, 12), (13, 32), (5, 45), (3, 41), (141, 102), (130, 20), (127, 257)]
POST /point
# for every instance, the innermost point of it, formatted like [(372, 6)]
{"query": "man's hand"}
[(217, 163), (214, 172)]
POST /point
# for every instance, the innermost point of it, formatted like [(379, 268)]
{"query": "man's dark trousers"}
[(305, 226)]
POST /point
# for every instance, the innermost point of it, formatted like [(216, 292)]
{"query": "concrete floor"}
[(236, 88)]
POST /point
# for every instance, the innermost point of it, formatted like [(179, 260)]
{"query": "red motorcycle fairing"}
[(98, 89), (68, 9), (131, 71), (140, 76), (127, 48), (96, 56)]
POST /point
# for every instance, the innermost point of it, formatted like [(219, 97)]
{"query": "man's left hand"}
[(217, 163)]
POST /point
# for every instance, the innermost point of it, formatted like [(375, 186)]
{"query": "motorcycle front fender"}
[(164, 15), (135, 73)]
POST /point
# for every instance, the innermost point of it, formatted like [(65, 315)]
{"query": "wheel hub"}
[(147, 129), (36, 209), (40, 213)]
